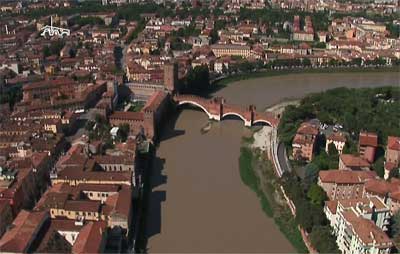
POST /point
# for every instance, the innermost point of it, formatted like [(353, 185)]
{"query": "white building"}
[(338, 139), (359, 225)]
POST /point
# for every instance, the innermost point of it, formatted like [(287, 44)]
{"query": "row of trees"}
[(309, 201)]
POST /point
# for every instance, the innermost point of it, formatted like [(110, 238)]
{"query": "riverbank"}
[(258, 174), (271, 73)]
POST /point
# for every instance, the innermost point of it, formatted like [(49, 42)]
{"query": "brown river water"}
[(198, 202)]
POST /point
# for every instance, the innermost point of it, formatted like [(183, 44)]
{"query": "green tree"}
[(123, 132), (198, 80), (378, 166), (395, 227), (311, 174), (214, 36), (317, 195), (323, 240), (332, 149)]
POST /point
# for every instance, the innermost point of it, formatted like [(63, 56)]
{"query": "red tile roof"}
[(337, 136), (19, 238), (350, 160), (393, 143), (368, 232), (154, 101), (368, 139), (383, 188), (90, 238), (82, 205), (345, 176), (308, 129), (331, 205)]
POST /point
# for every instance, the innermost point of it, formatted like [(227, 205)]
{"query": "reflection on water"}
[(199, 203)]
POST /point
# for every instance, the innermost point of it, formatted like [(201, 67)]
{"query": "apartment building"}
[(231, 50), (359, 225), (392, 156), (340, 185), (304, 142), (367, 144)]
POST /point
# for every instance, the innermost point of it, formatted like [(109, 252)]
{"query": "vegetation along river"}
[(198, 202)]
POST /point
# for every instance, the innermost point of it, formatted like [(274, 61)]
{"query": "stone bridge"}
[(217, 109)]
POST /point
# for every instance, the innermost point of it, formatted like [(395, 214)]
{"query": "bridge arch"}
[(193, 103), (263, 121), (234, 114)]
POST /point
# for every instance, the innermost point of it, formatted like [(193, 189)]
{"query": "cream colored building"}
[(359, 225), (231, 50)]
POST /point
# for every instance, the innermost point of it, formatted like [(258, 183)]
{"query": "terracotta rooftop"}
[(90, 238), (367, 231), (19, 238), (337, 136), (111, 159), (331, 205), (128, 116), (302, 139), (393, 143), (82, 205), (307, 129), (350, 160), (368, 139), (383, 188), (98, 187), (345, 176)]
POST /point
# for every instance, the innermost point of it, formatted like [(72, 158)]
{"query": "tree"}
[(378, 166), (311, 175), (332, 149), (317, 195), (214, 36), (303, 216), (306, 62), (198, 80), (323, 240), (123, 132)]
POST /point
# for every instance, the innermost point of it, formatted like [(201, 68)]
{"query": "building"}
[(359, 225), (338, 139), (6, 216), (231, 50), (25, 229), (387, 191), (146, 121), (352, 162), (392, 156), (340, 184), (367, 144), (304, 142), (135, 120)]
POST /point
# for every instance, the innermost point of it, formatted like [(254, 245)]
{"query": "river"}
[(198, 202)]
